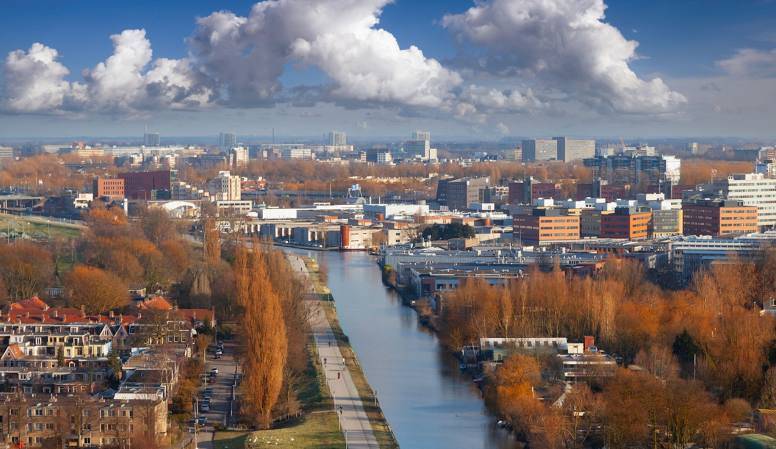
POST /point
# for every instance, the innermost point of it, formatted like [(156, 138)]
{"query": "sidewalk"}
[(353, 420)]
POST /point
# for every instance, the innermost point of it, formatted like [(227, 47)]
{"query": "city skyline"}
[(483, 70)]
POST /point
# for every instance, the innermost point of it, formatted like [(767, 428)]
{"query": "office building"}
[(297, 153), (151, 139), (458, 194), (227, 140), (338, 138), (150, 185), (530, 189), (657, 171), (540, 150), (629, 223), (574, 149), (418, 148), (515, 154), (384, 158), (545, 225), (110, 188), (718, 217), (754, 189), (225, 187)]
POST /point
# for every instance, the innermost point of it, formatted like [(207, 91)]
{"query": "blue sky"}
[(682, 43)]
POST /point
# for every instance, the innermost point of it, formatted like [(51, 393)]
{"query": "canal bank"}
[(429, 403)]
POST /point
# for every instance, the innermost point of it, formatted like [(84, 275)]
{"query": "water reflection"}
[(428, 402)]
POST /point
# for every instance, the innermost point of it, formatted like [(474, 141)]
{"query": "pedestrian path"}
[(354, 421)]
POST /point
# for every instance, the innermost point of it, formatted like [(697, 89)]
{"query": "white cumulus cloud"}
[(564, 46), (35, 80), (364, 63)]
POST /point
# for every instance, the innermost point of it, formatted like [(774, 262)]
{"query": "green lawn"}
[(35, 228)]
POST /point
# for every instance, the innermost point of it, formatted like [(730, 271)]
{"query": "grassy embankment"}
[(377, 420), (318, 428)]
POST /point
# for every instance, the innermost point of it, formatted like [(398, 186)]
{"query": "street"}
[(221, 398)]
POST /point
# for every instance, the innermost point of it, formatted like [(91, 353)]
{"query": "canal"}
[(425, 398)]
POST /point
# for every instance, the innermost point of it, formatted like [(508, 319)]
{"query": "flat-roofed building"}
[(545, 226), (540, 150), (718, 217), (626, 223), (111, 188), (574, 149)]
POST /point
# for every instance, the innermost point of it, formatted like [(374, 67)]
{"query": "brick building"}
[(149, 185), (626, 223), (111, 188)]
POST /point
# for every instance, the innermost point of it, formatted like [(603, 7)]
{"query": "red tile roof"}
[(155, 303)]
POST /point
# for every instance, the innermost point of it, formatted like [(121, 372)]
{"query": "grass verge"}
[(377, 420), (317, 429)]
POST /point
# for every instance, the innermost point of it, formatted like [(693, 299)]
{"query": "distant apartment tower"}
[(151, 139), (718, 217), (225, 187), (338, 138), (238, 157), (539, 150), (111, 188), (458, 194), (545, 226), (574, 149), (227, 140), (149, 185), (421, 135)]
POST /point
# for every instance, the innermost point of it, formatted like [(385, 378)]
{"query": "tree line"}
[(703, 351)]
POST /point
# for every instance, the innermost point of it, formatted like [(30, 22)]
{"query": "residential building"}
[(80, 420), (718, 217), (150, 185), (151, 140), (227, 140), (545, 225), (540, 150), (574, 149), (111, 188), (457, 194), (225, 187), (238, 157), (338, 138), (628, 222)]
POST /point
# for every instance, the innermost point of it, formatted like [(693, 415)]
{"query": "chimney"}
[(110, 314), (83, 310)]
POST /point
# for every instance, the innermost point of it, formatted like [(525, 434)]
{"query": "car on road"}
[(214, 372), (204, 407)]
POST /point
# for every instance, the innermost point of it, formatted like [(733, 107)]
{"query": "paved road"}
[(221, 401), (353, 420)]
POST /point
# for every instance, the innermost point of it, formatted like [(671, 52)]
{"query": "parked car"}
[(214, 372), (204, 406)]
